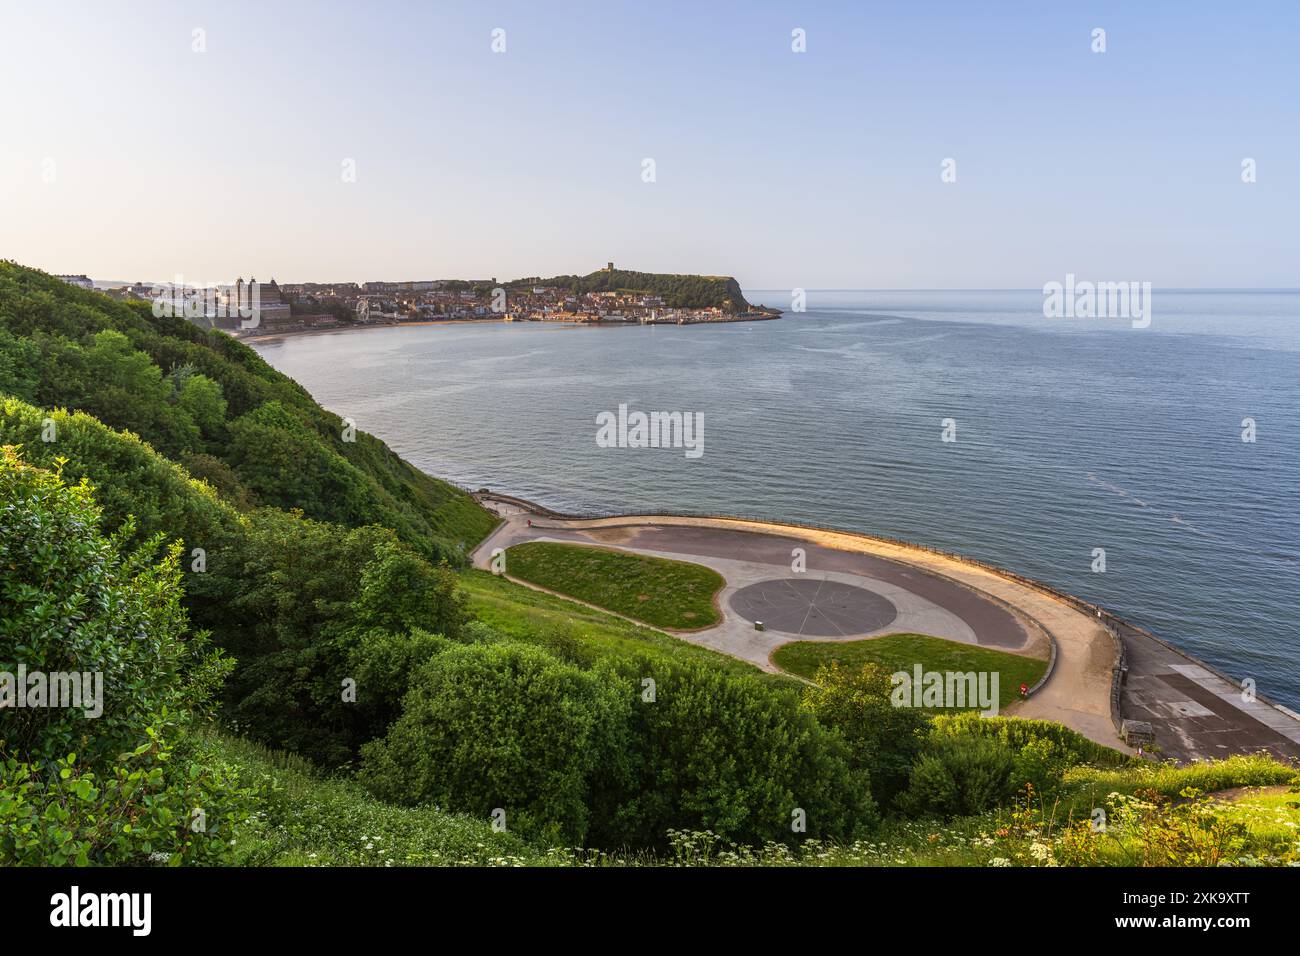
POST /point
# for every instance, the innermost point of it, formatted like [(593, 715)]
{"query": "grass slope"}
[(315, 821), (576, 631), (673, 594), (904, 651)]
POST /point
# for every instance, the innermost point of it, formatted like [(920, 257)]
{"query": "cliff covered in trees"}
[(678, 291)]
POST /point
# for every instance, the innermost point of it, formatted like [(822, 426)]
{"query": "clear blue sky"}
[(814, 170)]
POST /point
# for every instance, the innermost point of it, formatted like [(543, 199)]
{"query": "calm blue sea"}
[(1071, 436)]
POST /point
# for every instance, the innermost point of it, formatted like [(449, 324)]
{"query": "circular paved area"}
[(813, 608)]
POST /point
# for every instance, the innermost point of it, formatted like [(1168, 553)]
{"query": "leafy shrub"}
[(399, 589), (1041, 764), (960, 776), (730, 754), (156, 804), (501, 726), (120, 786), (884, 739), (584, 756), (1042, 751), (1017, 732), (69, 602), (385, 664), (300, 595)]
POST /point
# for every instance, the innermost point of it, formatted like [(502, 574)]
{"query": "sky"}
[(129, 153)]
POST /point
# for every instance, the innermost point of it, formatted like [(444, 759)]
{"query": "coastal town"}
[(250, 308)]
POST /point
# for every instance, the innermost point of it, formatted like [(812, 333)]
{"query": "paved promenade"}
[(875, 587)]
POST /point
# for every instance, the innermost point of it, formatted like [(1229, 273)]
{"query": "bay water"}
[(1070, 436)]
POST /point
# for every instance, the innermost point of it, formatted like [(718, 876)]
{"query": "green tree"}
[(884, 739), (19, 366), (128, 388), (720, 752), (298, 598), (204, 402), (400, 590), (384, 664), (70, 603)]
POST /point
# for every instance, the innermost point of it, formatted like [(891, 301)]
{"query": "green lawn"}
[(658, 591), (904, 651)]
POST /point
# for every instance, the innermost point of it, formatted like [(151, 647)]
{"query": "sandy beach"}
[(291, 333)]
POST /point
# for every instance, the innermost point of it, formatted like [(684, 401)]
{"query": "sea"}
[(1151, 468)]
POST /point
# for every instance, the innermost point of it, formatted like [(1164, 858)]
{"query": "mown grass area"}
[(576, 631), (902, 652), (658, 591)]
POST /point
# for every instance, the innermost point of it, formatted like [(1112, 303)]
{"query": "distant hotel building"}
[(273, 311)]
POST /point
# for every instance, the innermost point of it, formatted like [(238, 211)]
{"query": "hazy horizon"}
[(217, 140)]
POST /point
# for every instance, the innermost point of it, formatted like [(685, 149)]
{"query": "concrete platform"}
[(816, 607), (1199, 714)]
